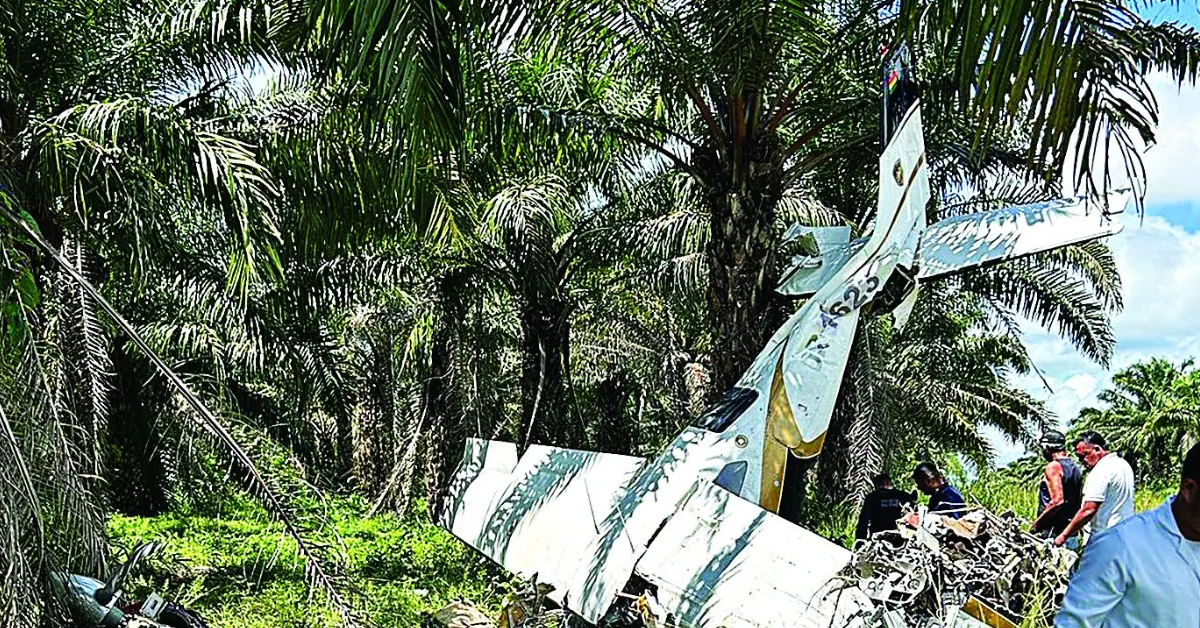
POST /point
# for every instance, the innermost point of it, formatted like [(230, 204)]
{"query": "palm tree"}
[(1152, 415), (756, 99), (118, 159), (771, 107)]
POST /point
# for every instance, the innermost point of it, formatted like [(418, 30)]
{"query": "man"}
[(882, 507), (1146, 571), (943, 497), (1107, 491), (1060, 493)]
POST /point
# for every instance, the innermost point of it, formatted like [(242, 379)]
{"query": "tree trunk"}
[(137, 477), (545, 362), (343, 425), (447, 425), (615, 434), (375, 451), (742, 276), (697, 386)]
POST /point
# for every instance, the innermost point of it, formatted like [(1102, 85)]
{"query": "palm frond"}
[(258, 482), (1053, 298)]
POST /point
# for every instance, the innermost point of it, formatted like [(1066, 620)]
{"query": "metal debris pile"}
[(525, 606), (982, 565)]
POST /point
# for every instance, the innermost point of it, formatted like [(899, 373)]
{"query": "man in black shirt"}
[(882, 507), (1061, 492)]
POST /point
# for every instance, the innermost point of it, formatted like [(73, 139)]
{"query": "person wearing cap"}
[(1145, 571), (943, 497), (1107, 491), (1060, 493)]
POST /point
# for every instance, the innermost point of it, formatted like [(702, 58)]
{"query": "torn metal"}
[(981, 565)]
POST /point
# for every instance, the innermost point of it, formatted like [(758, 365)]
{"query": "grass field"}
[(236, 568)]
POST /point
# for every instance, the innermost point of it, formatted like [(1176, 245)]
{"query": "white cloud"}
[(1159, 261), (1170, 173), (1160, 271), (1170, 177)]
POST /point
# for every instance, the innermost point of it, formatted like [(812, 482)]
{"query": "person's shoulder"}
[(1114, 546), (1109, 465), (1122, 464), (1140, 527)]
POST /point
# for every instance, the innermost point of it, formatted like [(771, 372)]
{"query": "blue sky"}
[(1158, 256)]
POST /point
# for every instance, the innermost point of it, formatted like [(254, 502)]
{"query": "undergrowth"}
[(238, 571), (231, 563)]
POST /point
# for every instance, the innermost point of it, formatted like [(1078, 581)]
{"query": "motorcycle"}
[(96, 604)]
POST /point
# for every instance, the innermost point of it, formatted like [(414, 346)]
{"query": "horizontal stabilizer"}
[(822, 236), (536, 515), (963, 242), (806, 275), (823, 251)]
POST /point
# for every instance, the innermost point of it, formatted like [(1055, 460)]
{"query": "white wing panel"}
[(722, 562), (537, 515), (962, 242)]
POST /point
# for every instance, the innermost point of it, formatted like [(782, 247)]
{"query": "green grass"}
[(234, 566), (1000, 493), (238, 571)]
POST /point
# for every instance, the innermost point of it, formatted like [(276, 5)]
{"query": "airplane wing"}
[(715, 561), (963, 242), (536, 515), (720, 561)]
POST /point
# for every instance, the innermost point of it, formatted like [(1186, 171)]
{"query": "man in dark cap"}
[(1061, 490), (1144, 571), (943, 497), (882, 507)]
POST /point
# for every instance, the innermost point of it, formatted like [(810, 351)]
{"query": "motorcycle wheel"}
[(176, 616)]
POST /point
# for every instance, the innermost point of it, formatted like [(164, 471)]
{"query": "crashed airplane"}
[(699, 524)]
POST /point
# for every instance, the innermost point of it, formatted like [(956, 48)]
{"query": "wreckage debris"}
[(981, 565), (526, 606), (461, 614), (978, 570)]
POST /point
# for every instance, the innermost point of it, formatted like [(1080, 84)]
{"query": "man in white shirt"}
[(1146, 571), (1107, 490)]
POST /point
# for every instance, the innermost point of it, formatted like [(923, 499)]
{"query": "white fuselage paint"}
[(585, 522)]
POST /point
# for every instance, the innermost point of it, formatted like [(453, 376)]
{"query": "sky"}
[(1158, 256)]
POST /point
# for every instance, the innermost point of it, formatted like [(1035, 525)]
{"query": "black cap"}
[(1052, 438)]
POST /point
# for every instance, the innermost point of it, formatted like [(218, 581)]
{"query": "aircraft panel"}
[(539, 514), (722, 562), (962, 242)]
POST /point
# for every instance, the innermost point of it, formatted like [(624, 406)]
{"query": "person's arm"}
[(1054, 476), (1081, 518), (864, 516), (1097, 586)]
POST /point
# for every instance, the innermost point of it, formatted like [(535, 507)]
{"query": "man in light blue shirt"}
[(1146, 570)]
